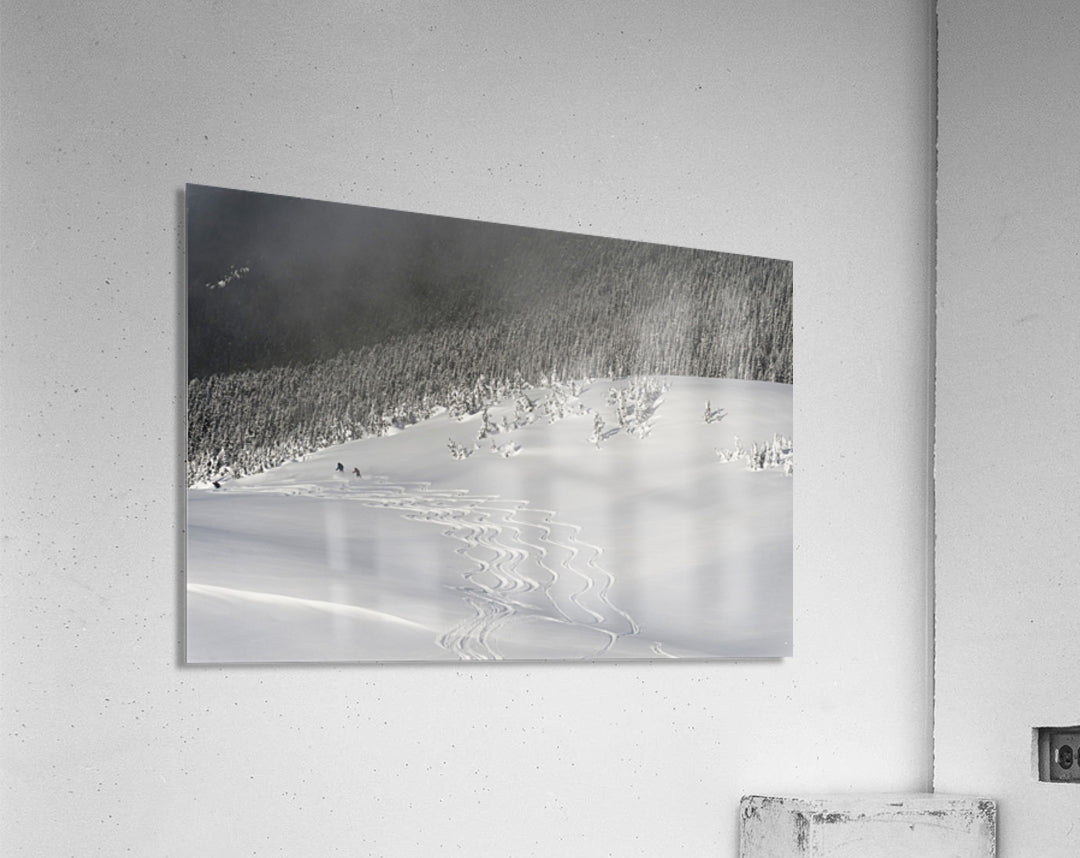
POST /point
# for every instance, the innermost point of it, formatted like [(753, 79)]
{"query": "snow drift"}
[(636, 518)]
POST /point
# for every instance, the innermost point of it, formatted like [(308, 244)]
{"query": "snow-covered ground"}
[(559, 534)]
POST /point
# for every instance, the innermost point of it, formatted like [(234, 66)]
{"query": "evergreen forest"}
[(311, 324)]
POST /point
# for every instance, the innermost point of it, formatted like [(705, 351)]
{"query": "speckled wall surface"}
[(1008, 398), (791, 130)]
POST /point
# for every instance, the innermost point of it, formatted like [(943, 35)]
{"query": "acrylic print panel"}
[(418, 438)]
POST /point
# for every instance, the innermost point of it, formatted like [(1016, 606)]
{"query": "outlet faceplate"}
[(1059, 754)]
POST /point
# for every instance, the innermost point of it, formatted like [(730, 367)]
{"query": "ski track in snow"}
[(524, 563)]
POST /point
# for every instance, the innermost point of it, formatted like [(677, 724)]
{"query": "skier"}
[(356, 471), (341, 467)]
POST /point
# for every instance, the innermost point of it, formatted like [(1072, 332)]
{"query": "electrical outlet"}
[(1059, 754)]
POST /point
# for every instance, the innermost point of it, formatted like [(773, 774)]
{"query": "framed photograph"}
[(422, 438)]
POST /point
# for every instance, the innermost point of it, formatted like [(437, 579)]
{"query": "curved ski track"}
[(523, 563)]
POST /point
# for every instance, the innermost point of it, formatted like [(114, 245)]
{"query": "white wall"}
[(782, 129), (1008, 518)]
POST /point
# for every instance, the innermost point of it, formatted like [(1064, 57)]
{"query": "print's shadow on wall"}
[(180, 426)]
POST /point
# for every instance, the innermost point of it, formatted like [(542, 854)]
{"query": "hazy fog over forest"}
[(275, 281), (311, 323)]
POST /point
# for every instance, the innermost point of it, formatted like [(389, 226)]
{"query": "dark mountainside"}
[(311, 323)]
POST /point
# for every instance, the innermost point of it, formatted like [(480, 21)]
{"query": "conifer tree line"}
[(552, 306)]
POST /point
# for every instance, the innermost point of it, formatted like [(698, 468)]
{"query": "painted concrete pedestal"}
[(868, 826)]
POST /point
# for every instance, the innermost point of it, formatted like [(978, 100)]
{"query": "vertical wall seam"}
[(931, 510)]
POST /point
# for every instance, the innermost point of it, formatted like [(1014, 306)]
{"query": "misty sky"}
[(276, 280), (303, 279)]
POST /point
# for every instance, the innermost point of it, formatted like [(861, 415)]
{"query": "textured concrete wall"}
[(1007, 403), (786, 129)]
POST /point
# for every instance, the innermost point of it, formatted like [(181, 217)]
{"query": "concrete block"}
[(868, 826)]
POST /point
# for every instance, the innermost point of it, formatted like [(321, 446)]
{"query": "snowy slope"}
[(558, 535)]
